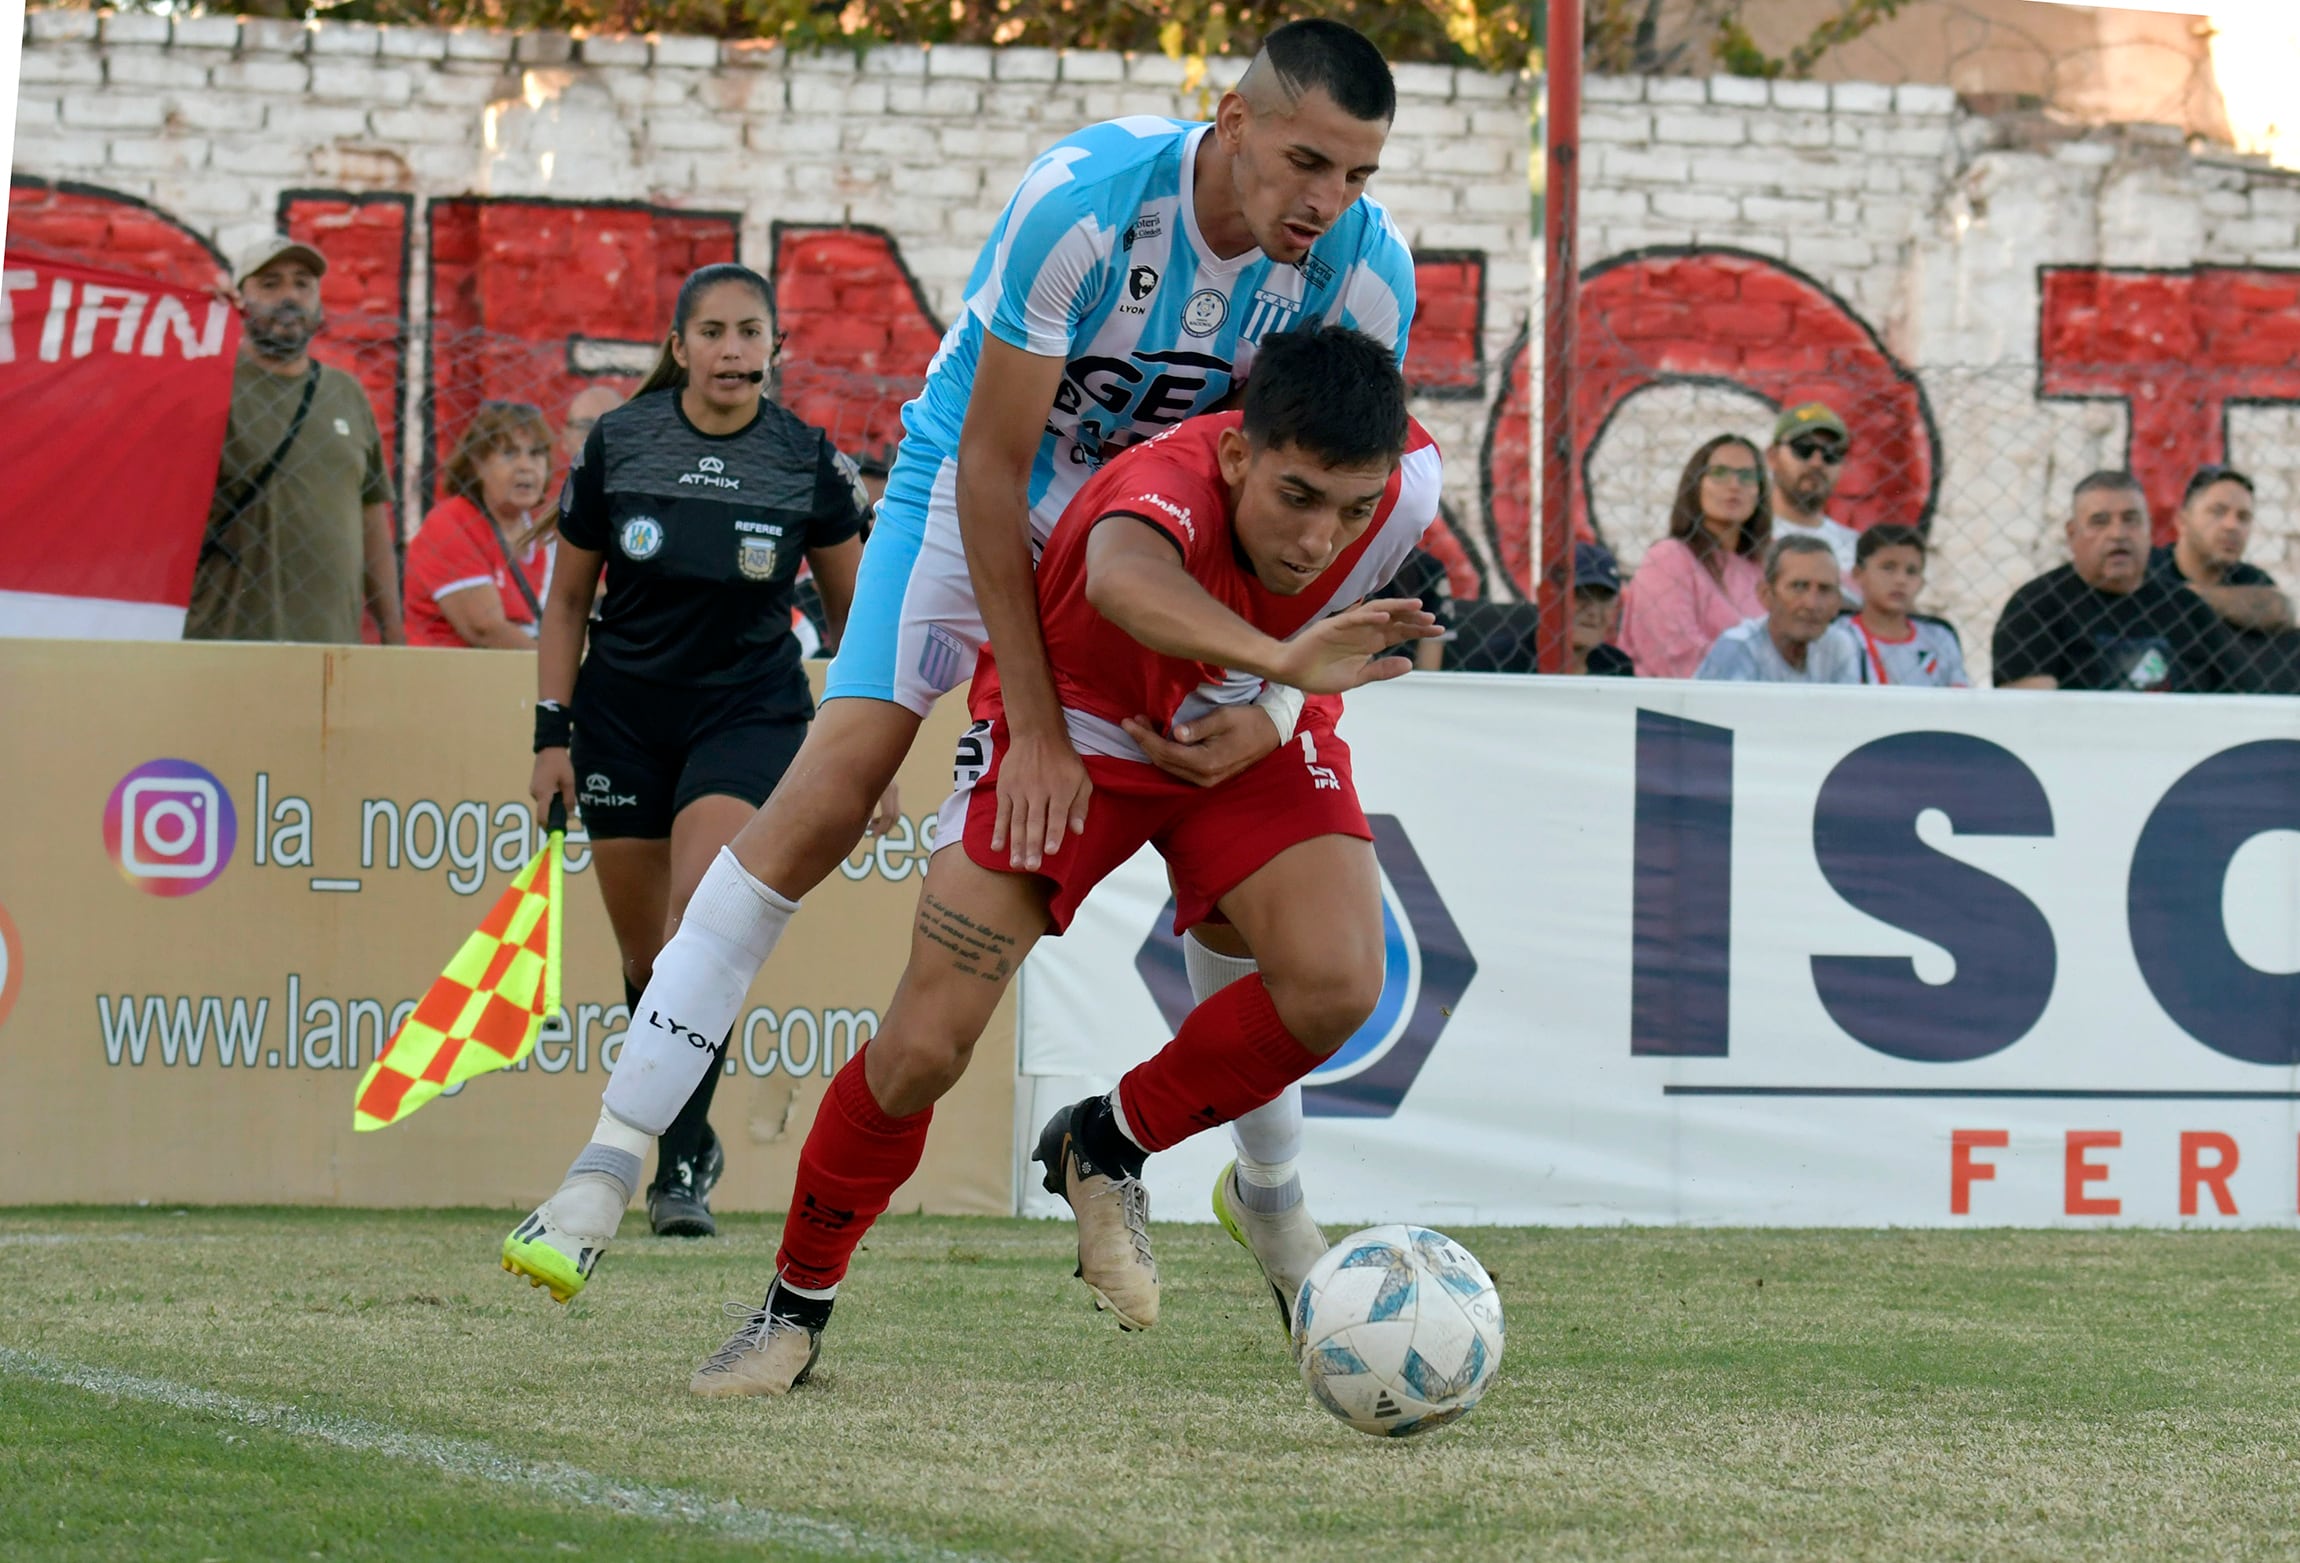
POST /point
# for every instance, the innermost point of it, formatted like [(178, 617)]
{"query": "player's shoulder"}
[(1111, 163), (1371, 237), (647, 416)]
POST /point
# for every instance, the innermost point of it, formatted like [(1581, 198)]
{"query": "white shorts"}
[(914, 630)]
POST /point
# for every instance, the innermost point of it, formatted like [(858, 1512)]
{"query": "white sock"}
[(700, 981), (1269, 1138), (1209, 971), (599, 1185)]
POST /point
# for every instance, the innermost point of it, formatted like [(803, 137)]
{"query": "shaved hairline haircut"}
[(1326, 56)]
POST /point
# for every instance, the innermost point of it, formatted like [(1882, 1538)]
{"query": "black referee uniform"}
[(693, 683)]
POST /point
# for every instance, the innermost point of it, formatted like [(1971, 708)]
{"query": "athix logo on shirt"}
[(710, 471), (1426, 969), (169, 827)]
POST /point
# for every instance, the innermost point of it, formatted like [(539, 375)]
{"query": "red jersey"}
[(1174, 483), (455, 550)]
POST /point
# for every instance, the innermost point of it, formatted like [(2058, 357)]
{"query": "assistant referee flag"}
[(485, 1010)]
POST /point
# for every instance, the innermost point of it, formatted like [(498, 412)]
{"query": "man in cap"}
[(1596, 615), (1807, 457), (300, 535)]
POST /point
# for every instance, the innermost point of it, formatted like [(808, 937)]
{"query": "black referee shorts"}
[(643, 751)]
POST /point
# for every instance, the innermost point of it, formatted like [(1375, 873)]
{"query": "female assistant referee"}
[(699, 497)]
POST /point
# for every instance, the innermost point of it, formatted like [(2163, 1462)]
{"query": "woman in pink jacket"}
[(1701, 580)]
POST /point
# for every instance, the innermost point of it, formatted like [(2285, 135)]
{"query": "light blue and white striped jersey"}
[(1097, 259)]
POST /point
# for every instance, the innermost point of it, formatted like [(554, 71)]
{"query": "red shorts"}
[(1212, 838)]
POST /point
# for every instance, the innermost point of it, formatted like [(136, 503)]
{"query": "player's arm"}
[(577, 558), (1135, 579), (1042, 784)]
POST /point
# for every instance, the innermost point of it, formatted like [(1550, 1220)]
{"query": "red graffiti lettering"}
[(2176, 347), (1446, 357), (104, 228), (857, 334), (534, 300), (1687, 313)]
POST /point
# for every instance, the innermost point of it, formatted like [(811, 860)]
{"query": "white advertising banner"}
[(1674, 952)]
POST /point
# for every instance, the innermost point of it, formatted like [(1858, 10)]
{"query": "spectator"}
[(481, 561), (1790, 643), (1892, 643), (1423, 576), (1807, 457), (300, 537), (2208, 554), (590, 404), (2103, 621), (1702, 579), (1596, 612)]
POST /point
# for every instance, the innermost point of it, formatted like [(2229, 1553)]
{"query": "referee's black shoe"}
[(678, 1203)]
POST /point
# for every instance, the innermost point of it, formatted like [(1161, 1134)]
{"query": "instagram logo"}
[(169, 826)]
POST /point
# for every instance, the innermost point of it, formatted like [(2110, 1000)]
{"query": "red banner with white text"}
[(114, 391)]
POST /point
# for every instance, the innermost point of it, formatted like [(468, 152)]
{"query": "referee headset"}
[(669, 373)]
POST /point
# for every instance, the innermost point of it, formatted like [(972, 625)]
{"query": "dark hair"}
[(1329, 390), (667, 373), (1794, 543), (1685, 514), (1337, 59), (1889, 534), (2107, 478), (2207, 476)]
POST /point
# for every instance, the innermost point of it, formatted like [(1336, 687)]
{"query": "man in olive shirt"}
[(299, 538), (2102, 621)]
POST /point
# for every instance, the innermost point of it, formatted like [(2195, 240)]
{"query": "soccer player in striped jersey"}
[(1125, 287)]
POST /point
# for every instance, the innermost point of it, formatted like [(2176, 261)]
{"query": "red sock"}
[(1232, 1055), (854, 1159)]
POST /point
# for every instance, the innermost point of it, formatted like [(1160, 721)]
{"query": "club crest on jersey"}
[(755, 557), (1204, 314), (641, 537), (711, 472), (1271, 314)]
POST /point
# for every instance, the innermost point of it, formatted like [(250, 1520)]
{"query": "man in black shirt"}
[(2103, 621), (2208, 554)]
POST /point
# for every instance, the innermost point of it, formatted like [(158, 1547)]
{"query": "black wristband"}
[(554, 724)]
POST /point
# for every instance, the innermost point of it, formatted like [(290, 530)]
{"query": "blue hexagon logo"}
[(1426, 970)]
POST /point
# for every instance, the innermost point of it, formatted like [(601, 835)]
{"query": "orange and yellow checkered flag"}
[(485, 1010)]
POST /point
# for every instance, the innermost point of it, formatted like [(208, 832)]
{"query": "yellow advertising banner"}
[(227, 872)]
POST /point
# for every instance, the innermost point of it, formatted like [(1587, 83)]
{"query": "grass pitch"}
[(289, 1384)]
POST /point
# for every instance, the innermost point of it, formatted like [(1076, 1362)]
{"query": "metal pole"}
[(1561, 303)]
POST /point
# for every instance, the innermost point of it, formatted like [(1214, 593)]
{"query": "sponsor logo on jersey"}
[(1314, 271), (641, 537), (755, 557), (1271, 314), (710, 471), (1142, 281), (1204, 314), (1145, 226), (1181, 513), (1426, 968)]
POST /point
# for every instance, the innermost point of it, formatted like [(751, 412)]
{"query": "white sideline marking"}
[(467, 1457)]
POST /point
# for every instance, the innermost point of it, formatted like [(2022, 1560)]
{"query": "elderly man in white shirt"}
[(1790, 643)]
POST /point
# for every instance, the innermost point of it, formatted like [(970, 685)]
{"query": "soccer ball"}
[(1398, 1330)]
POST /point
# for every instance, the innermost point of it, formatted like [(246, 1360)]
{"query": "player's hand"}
[(1212, 749), (553, 776), (1345, 651), (888, 811), (1042, 793)]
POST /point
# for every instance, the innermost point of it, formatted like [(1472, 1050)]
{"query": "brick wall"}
[(1999, 305)]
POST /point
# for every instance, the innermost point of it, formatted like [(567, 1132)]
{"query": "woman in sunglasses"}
[(1701, 580)]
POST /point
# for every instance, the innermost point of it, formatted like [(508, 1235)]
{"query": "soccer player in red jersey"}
[(1231, 550)]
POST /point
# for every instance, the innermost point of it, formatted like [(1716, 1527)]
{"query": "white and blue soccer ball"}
[(1397, 1330)]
